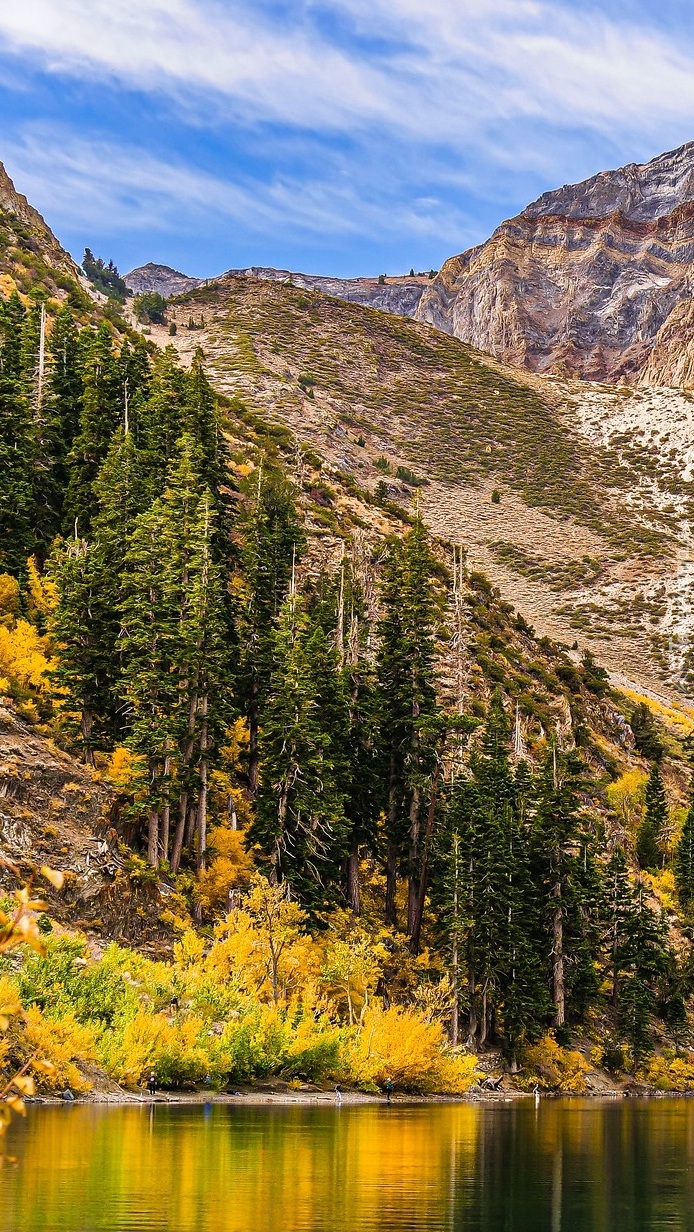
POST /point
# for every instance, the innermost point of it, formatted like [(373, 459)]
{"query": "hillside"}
[(588, 281), (30, 254), (593, 482), (399, 295)]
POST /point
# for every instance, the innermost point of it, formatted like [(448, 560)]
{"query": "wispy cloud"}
[(361, 119), (432, 70), (89, 181)]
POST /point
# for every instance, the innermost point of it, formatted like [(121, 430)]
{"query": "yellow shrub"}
[(675, 1074), (24, 659), (62, 1043), (405, 1046), (177, 1050), (122, 769), (9, 599), (230, 867), (42, 594), (627, 795), (554, 1068), (663, 885)]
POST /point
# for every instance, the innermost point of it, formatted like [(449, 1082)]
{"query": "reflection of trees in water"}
[(565, 1166)]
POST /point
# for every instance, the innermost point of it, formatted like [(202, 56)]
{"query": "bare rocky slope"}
[(593, 280), (400, 295), (574, 499)]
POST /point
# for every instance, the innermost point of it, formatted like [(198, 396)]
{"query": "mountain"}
[(30, 254), (574, 499), (399, 295), (160, 278), (593, 280)]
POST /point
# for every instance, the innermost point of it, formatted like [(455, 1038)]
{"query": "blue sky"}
[(343, 136)]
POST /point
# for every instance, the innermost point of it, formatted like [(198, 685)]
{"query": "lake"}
[(608, 1166)]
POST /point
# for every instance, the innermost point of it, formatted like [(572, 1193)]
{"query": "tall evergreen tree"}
[(273, 543), (649, 836), (410, 721), (101, 413), (300, 823), (16, 444)]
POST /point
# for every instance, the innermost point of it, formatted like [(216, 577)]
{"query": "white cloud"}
[(108, 187), (442, 68)]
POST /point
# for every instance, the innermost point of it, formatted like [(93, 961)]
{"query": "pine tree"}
[(684, 854), (16, 445), (273, 542), (649, 835), (562, 875), (300, 823), (174, 653), (646, 738), (100, 415), (82, 626), (410, 722), (64, 390)]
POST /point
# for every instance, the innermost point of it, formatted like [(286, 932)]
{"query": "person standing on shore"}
[(152, 1083), (338, 1095), (389, 1089)]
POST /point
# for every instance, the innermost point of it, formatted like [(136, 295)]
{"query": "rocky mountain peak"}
[(583, 280), (640, 191)]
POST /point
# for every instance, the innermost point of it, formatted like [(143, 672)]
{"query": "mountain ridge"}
[(583, 280)]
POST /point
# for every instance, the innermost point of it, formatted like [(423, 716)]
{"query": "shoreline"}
[(255, 1097)]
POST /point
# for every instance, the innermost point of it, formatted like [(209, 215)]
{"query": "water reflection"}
[(567, 1166)]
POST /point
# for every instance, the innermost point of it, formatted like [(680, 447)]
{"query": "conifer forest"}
[(348, 833)]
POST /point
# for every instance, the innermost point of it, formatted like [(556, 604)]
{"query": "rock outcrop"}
[(585, 281), (26, 235), (160, 278)]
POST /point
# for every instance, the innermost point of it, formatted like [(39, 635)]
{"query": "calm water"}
[(570, 1165)]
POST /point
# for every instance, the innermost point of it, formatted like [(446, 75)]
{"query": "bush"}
[(410, 1049), (669, 1073), (496, 497), (553, 1068), (150, 308)]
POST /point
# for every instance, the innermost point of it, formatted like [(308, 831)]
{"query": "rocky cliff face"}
[(397, 295), (24, 237), (162, 279), (584, 280)]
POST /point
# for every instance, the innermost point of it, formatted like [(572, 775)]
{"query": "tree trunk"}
[(86, 729), (164, 824), (414, 869), (472, 994), (417, 914), (391, 885), (180, 832), (558, 990), (455, 1029), (353, 891), (153, 837), (181, 836), (483, 1032), (391, 911), (253, 750), (202, 800)]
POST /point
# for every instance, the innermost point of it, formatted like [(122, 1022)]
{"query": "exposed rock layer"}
[(586, 280)]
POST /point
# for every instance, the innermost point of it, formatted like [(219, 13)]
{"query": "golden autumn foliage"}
[(668, 1073), (230, 867), (550, 1067), (41, 594), (24, 657), (405, 1046), (626, 796), (9, 600), (263, 997)]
